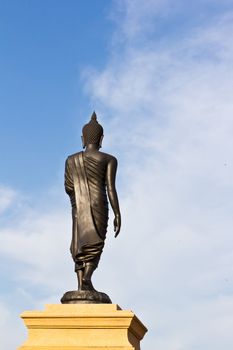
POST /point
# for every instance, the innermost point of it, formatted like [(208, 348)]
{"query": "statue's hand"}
[(117, 225)]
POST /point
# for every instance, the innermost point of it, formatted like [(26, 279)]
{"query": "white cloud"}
[(38, 241), (170, 110), (7, 197), (9, 320), (137, 17), (35, 259)]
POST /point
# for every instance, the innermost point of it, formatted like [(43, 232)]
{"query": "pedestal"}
[(82, 327)]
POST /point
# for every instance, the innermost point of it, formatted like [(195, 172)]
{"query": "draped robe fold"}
[(85, 184)]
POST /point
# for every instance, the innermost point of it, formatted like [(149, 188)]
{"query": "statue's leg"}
[(80, 279), (88, 271)]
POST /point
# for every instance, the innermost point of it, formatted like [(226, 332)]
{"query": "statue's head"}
[(93, 132)]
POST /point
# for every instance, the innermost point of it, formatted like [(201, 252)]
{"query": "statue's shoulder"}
[(109, 157), (73, 156)]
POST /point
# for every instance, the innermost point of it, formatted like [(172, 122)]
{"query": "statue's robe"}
[(85, 184)]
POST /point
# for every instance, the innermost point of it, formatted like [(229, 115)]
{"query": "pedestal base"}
[(85, 297), (82, 327)]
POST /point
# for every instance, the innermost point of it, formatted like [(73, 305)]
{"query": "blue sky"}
[(160, 76), (43, 51)]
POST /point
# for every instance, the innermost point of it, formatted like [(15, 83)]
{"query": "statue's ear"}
[(101, 140), (83, 142)]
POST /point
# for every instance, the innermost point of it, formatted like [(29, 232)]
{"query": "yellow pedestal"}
[(82, 327)]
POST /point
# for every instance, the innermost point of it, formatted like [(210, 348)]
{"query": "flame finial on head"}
[(94, 116)]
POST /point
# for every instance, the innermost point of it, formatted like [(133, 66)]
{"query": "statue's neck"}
[(92, 147)]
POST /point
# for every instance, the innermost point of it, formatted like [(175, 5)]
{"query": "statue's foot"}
[(87, 285)]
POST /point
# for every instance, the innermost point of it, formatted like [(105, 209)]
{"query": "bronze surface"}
[(90, 182)]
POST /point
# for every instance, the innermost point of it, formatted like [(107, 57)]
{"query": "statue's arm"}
[(69, 184), (112, 193)]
